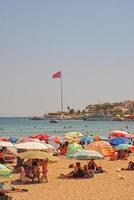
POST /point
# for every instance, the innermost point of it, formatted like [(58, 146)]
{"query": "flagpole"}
[(61, 95)]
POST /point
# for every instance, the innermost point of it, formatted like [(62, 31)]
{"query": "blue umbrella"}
[(88, 139), (119, 140), (13, 139)]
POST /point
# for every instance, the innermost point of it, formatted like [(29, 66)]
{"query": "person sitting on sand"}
[(26, 173), (130, 166), (88, 173), (35, 169), (92, 165), (77, 172)]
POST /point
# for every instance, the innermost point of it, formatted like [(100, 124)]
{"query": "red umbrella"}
[(129, 136), (131, 148), (4, 139), (119, 134), (41, 137)]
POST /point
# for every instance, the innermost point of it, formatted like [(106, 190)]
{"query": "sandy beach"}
[(105, 186)]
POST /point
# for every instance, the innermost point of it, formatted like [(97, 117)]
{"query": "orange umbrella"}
[(102, 147)]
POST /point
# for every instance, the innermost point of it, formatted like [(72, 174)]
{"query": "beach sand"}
[(105, 186)]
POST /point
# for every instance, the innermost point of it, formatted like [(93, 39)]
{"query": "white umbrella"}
[(6, 144), (31, 146), (50, 147)]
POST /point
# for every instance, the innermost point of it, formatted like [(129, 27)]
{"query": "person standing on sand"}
[(44, 169)]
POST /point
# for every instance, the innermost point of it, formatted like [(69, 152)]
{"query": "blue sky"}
[(90, 41)]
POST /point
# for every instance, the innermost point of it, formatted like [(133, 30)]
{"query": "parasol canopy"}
[(72, 148), (31, 146), (41, 137), (119, 133), (123, 147), (4, 171), (25, 139), (86, 155), (73, 134), (101, 147), (5, 144), (119, 140), (36, 155)]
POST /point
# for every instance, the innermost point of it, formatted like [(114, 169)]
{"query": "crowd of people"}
[(35, 170), (87, 171)]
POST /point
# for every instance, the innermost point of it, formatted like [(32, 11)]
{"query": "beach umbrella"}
[(129, 135), (118, 133), (97, 138), (102, 147), (71, 139), (72, 148), (25, 139), (57, 140), (31, 146), (86, 155), (87, 139), (36, 155), (123, 147), (41, 137), (50, 147), (131, 148), (73, 134), (5, 144), (4, 171), (13, 139), (119, 140), (12, 150)]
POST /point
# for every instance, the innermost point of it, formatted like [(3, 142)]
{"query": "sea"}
[(24, 126)]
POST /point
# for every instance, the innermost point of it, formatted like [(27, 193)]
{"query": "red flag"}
[(57, 75)]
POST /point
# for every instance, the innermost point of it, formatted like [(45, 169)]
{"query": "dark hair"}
[(77, 164)]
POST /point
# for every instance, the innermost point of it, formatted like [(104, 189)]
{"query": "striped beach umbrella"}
[(86, 155), (101, 147)]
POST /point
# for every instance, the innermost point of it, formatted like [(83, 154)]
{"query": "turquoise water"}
[(24, 127)]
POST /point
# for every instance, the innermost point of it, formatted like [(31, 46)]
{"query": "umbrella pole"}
[(100, 163)]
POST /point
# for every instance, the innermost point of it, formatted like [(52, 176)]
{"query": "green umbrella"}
[(4, 171), (72, 148), (86, 155), (123, 147)]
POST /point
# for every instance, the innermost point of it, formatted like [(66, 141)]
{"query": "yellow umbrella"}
[(73, 134), (71, 139), (37, 155)]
